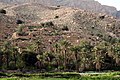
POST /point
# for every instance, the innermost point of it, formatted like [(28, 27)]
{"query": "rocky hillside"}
[(40, 35), (7, 27), (89, 5), (58, 23)]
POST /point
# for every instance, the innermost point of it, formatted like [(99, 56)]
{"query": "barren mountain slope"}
[(81, 24), (89, 5), (29, 11)]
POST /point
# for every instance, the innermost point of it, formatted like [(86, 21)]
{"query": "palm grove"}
[(64, 56)]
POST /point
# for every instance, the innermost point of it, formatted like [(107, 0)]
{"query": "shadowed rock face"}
[(89, 5), (118, 14)]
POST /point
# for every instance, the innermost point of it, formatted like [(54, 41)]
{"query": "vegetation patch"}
[(65, 76)]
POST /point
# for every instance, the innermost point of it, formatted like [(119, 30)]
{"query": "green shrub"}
[(47, 24)]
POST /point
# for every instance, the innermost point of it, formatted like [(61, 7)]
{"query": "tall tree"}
[(76, 52), (57, 51), (7, 51), (36, 46), (15, 54), (116, 51), (100, 51), (65, 47), (85, 49)]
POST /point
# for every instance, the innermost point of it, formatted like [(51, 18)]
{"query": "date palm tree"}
[(116, 51), (15, 54), (36, 46), (65, 47), (57, 51), (7, 51), (76, 52), (100, 51), (85, 49), (82, 55)]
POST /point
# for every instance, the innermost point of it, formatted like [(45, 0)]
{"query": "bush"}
[(56, 17), (47, 24), (19, 22), (99, 35), (101, 17), (43, 24), (3, 11), (65, 28), (19, 29), (58, 5)]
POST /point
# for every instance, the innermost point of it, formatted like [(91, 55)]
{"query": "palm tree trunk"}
[(15, 59), (98, 66), (65, 59), (76, 58), (7, 57)]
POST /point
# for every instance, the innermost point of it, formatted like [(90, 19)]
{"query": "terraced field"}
[(66, 76)]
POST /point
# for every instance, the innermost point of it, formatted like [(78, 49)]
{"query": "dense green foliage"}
[(64, 56)]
